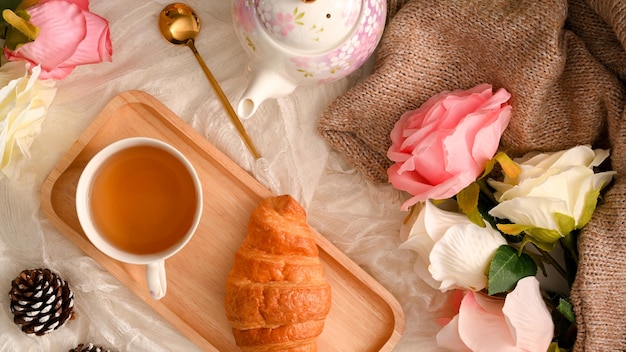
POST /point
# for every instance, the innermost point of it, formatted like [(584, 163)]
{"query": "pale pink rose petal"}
[(426, 191), (63, 28), (397, 132), (426, 161), (430, 120), (448, 337), (482, 331), (476, 138), (495, 100), (58, 73), (490, 137), (444, 138), (398, 157), (417, 136), (412, 180), (484, 89), (530, 321), (96, 46), (490, 304), (458, 108), (426, 109)]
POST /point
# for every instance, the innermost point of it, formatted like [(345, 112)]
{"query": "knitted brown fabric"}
[(393, 6), (562, 64), (598, 294)]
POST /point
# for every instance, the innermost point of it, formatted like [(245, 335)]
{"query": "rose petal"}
[(427, 160), (528, 317), (82, 4), (476, 138), (438, 219), (419, 242), (422, 245), (448, 337), (458, 107), (96, 46), (581, 155), (435, 146), (489, 138), (482, 331), (62, 29), (397, 133), (441, 191), (601, 155), (537, 212), (24, 101), (462, 256)]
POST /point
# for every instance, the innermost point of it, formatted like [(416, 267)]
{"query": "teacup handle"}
[(155, 275)]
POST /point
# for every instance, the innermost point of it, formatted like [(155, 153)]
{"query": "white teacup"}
[(139, 201)]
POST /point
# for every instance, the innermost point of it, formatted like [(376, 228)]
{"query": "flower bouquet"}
[(501, 234), (44, 41), (563, 63)]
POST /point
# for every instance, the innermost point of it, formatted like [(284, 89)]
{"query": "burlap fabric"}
[(564, 64)]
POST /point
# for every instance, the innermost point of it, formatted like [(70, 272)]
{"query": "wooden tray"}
[(363, 316)]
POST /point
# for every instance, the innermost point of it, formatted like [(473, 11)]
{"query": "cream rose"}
[(24, 102), (452, 252), (554, 194)]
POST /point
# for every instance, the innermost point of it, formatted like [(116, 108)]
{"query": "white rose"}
[(24, 102), (554, 194), (452, 252)]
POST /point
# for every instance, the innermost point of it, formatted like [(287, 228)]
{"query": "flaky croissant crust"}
[(277, 296)]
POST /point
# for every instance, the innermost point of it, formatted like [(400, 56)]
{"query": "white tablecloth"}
[(360, 218)]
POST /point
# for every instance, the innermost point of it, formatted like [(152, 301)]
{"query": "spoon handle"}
[(225, 102)]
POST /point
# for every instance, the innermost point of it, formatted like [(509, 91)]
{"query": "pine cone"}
[(40, 301), (89, 348)]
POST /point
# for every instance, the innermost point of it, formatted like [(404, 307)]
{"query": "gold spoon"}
[(180, 25)]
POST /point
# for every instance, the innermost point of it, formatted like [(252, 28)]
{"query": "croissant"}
[(277, 296)]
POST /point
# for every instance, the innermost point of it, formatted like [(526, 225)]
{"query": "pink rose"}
[(519, 323), (443, 146), (69, 36)]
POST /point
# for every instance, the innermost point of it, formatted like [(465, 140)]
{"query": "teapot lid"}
[(309, 25)]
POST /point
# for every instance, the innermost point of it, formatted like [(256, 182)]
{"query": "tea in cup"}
[(139, 201)]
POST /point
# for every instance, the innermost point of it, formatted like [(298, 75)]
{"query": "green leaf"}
[(507, 268), (567, 309), (467, 199), (489, 167), (19, 30), (554, 347), (509, 167), (24, 4), (513, 229), (591, 201), (565, 223), (546, 246), (7, 5), (10, 4), (542, 235)]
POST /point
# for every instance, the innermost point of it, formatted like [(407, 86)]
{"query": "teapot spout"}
[(264, 84)]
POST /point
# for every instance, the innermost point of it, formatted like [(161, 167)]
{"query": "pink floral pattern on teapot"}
[(318, 41)]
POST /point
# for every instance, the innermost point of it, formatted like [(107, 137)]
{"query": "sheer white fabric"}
[(360, 218)]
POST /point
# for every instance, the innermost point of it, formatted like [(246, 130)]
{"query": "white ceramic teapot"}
[(303, 42)]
